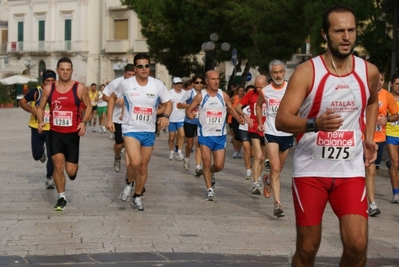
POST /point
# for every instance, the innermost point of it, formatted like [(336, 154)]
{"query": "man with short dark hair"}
[(330, 102), (141, 95), (64, 98)]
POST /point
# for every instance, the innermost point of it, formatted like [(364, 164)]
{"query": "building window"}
[(41, 34), (68, 34), (121, 29), (20, 35)]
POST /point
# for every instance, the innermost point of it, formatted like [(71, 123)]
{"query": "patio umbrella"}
[(18, 79)]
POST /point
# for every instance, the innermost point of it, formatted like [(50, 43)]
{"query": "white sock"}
[(179, 151), (62, 195), (198, 167)]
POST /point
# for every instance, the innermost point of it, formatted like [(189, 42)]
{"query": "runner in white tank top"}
[(212, 104), (330, 102)]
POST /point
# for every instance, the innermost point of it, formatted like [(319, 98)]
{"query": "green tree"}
[(260, 30)]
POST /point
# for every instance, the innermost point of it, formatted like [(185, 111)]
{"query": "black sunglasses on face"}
[(177, 83), (146, 66), (198, 82)]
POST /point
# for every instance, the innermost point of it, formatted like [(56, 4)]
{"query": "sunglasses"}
[(177, 83), (198, 82), (146, 66)]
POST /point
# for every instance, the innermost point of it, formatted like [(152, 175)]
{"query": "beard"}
[(278, 82), (334, 51)]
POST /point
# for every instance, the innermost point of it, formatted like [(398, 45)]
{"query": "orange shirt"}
[(236, 101), (386, 102)]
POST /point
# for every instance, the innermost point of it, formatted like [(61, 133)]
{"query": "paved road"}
[(178, 228)]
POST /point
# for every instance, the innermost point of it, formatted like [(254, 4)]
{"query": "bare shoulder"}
[(302, 76)]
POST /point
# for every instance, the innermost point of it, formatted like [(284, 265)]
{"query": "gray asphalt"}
[(178, 228)]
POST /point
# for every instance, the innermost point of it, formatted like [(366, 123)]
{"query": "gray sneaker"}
[(278, 210), (138, 205), (125, 194), (373, 210), (117, 165), (50, 183), (186, 164), (395, 199), (198, 172), (210, 195), (256, 188)]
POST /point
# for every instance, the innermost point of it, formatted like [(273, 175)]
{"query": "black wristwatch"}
[(311, 125), (165, 116)]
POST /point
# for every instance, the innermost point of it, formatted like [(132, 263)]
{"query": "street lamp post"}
[(210, 51)]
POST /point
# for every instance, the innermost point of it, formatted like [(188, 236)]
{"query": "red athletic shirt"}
[(64, 110), (250, 99)]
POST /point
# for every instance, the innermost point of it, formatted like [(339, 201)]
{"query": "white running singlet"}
[(273, 98), (339, 153), (177, 114), (141, 103), (212, 115), (108, 90)]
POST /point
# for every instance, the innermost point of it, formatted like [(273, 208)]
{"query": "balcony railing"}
[(48, 46), (117, 46)]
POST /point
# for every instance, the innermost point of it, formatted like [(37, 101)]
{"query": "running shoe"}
[(213, 180), (395, 199), (267, 189), (388, 164), (256, 188), (43, 158), (198, 172), (60, 205), (373, 210), (117, 165), (186, 164), (50, 183), (138, 205), (171, 156), (278, 210), (180, 157), (238, 155), (125, 194), (210, 195), (234, 155), (248, 175), (104, 130), (93, 130)]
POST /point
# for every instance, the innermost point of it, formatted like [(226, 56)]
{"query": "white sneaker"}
[(395, 199), (138, 204), (125, 195), (256, 188), (186, 163), (104, 130), (180, 157), (210, 195), (171, 156), (93, 130)]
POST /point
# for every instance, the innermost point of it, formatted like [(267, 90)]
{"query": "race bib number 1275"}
[(338, 145)]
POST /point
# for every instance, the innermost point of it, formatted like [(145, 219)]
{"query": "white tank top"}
[(177, 114), (247, 111), (212, 115), (140, 103), (339, 153), (273, 98)]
